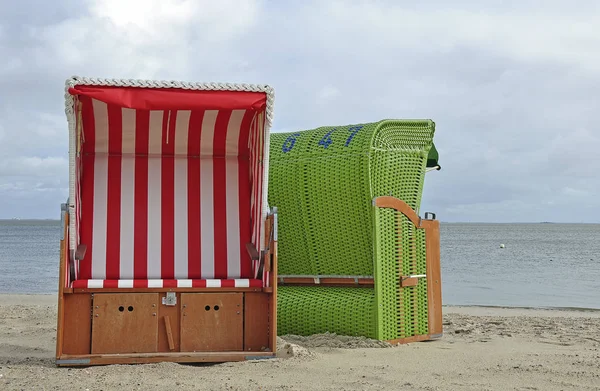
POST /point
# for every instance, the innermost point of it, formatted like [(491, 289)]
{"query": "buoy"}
[(502, 245)]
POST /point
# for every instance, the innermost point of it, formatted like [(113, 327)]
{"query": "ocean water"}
[(29, 255), (542, 265)]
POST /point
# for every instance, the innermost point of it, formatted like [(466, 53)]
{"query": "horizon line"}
[(441, 221)]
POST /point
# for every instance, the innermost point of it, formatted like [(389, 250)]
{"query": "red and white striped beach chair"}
[(169, 248)]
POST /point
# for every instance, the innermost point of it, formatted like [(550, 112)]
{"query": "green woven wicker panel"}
[(306, 310), (421, 289), (399, 153), (387, 274), (323, 181), (402, 311)]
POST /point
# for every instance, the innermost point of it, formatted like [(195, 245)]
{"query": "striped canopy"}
[(167, 179)]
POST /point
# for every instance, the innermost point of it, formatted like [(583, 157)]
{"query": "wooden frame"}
[(247, 331)]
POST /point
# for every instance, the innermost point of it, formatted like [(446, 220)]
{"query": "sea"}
[(542, 265)]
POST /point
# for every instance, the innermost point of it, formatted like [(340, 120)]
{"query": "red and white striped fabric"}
[(169, 186)]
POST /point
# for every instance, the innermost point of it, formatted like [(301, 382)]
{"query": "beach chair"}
[(355, 258), (169, 249)]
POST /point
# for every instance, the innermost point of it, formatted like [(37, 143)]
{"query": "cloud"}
[(145, 39), (33, 166), (327, 94), (512, 86)]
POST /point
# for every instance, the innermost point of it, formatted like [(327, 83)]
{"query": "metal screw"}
[(153, 305), (97, 315), (154, 314), (97, 306), (185, 305)]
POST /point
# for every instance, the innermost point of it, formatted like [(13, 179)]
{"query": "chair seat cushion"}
[(211, 283)]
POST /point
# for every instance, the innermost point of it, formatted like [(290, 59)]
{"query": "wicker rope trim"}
[(77, 80)]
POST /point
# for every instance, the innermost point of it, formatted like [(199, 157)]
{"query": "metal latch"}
[(170, 299)]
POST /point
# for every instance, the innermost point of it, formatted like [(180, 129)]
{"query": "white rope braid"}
[(89, 81), (76, 80)]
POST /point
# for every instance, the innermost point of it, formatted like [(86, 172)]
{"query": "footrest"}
[(210, 283)]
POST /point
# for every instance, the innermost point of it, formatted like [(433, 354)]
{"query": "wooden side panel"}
[(434, 276), (60, 318), (256, 322), (212, 322), (173, 313), (125, 323), (77, 323)]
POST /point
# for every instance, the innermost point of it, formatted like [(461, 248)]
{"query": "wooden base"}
[(416, 338), (135, 327), (146, 358)]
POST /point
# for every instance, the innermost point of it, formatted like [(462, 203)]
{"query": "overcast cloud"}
[(513, 86)]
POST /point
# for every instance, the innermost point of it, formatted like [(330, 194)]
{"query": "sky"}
[(513, 86)]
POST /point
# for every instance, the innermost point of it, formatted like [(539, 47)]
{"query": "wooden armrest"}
[(78, 255), (254, 255), (80, 252)]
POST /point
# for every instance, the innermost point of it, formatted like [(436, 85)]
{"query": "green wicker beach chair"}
[(354, 257)]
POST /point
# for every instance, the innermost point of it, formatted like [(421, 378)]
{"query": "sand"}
[(482, 349)]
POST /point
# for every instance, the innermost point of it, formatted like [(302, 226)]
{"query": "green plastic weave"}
[(307, 310), (402, 311), (323, 182)]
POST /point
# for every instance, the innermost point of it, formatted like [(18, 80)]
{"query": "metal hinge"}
[(170, 299)]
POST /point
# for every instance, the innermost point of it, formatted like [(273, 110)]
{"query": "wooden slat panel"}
[(125, 323), (77, 323), (256, 321), (434, 276), (212, 322)]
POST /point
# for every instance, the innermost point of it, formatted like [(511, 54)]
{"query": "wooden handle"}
[(169, 333)]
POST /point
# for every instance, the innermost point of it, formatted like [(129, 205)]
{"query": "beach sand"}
[(482, 349)]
